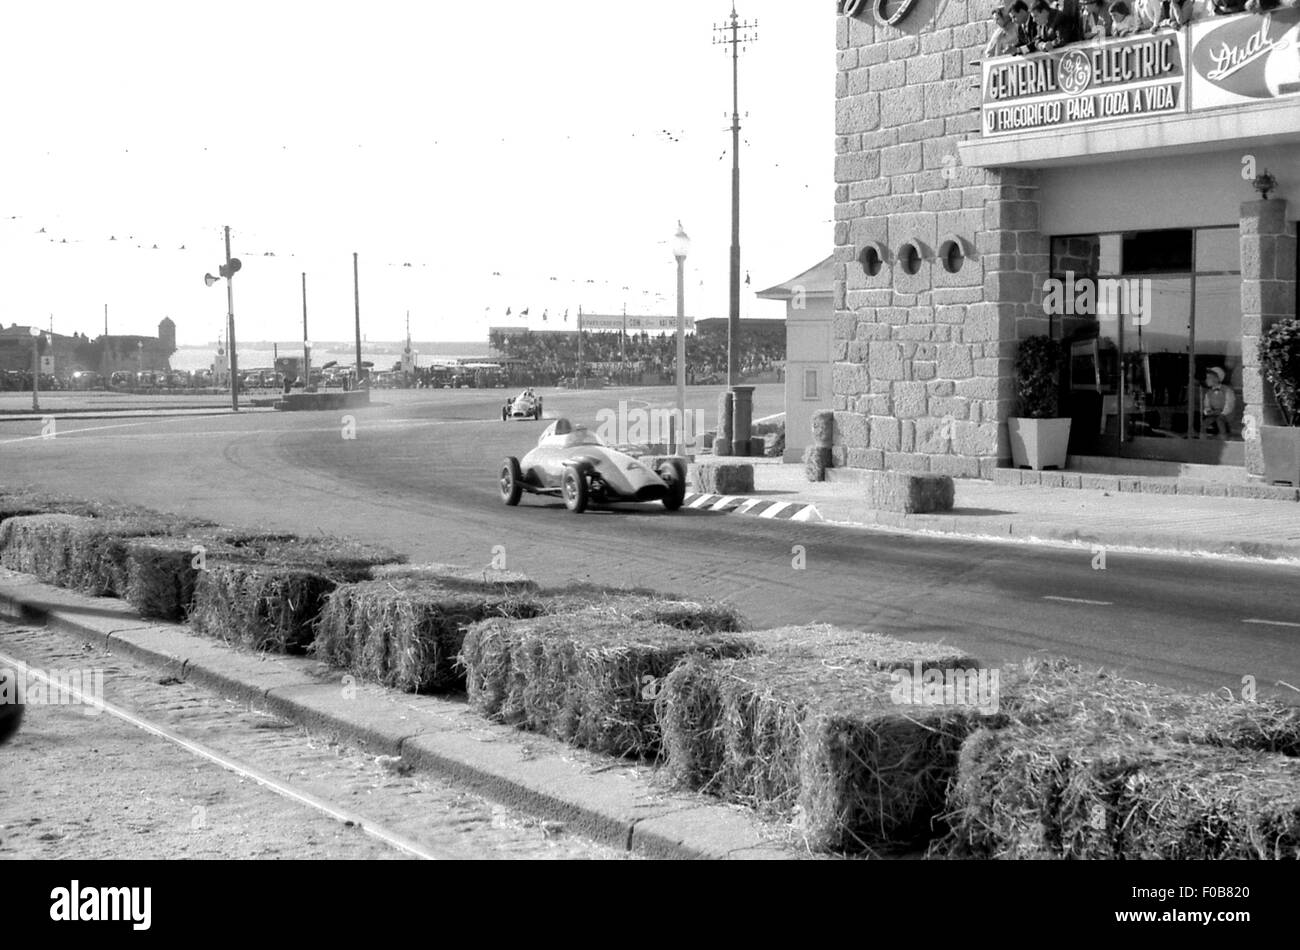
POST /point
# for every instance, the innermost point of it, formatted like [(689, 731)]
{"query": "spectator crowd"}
[(548, 358), (1039, 26)]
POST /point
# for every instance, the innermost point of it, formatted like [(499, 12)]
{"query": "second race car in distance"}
[(527, 405), (574, 463)]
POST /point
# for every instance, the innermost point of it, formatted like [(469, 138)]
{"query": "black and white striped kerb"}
[(758, 507)]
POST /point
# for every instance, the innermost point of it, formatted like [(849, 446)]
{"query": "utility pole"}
[(230, 324), (306, 347), (579, 380), (356, 297), (105, 319), (741, 33)]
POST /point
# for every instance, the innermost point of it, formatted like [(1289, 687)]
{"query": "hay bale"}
[(97, 558), (1050, 693), (823, 428), (1028, 794), (259, 603), (161, 573), (810, 726), (457, 576), (1051, 779), (910, 493), (816, 459), (587, 679), (37, 544), (343, 559), (725, 478), (641, 605), (86, 554), (407, 631)]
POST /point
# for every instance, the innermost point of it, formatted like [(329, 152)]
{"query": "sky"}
[(516, 154)]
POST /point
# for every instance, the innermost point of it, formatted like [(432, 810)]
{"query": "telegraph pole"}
[(356, 297), (230, 324), (306, 347), (741, 33)]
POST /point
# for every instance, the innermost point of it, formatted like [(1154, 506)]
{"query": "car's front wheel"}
[(512, 479), (574, 489), (672, 477)]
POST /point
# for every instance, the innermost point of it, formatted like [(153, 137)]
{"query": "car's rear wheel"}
[(672, 476), (512, 481), (537, 411), (574, 489), (505, 414)]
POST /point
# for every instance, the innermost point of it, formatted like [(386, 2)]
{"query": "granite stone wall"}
[(939, 268)]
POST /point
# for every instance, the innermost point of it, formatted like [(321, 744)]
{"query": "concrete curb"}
[(607, 800), (1155, 540), (757, 507)]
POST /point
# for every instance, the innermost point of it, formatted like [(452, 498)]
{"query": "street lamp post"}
[(139, 362), (681, 247), (228, 271), (36, 367)]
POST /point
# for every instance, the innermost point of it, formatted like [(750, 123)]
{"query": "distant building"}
[(64, 355), (809, 305)]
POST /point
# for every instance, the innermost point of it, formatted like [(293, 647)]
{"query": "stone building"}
[(106, 354), (972, 193)]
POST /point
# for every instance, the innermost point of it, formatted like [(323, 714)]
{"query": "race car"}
[(527, 405), (574, 463)]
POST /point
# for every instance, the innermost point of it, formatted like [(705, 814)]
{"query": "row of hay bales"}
[(262, 590), (804, 724)]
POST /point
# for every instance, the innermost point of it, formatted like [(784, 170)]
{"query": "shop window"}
[(810, 384), (1158, 252), (870, 260), (909, 258)]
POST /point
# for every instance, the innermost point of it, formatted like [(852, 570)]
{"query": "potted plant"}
[(1279, 359), (1039, 437)]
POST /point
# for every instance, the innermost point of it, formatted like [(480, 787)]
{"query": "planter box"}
[(1039, 443), (1280, 446)]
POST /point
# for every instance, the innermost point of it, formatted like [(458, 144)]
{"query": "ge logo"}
[(1074, 72)]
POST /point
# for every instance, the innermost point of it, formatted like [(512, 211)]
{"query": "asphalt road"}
[(419, 475)]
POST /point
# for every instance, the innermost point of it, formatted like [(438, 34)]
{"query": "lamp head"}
[(681, 243), (209, 279), (34, 331)]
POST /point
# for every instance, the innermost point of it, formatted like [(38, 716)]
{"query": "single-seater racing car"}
[(527, 405), (574, 463)]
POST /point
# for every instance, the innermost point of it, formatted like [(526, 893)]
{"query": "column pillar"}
[(1268, 293)]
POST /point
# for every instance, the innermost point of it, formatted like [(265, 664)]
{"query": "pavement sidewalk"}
[(605, 799), (1188, 524)]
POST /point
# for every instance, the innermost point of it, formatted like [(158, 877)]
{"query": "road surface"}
[(419, 473)]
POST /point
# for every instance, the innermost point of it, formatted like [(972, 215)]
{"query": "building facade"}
[(808, 311), (1108, 194)]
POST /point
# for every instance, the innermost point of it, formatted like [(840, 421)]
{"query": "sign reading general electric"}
[(1137, 76), (1245, 59)]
